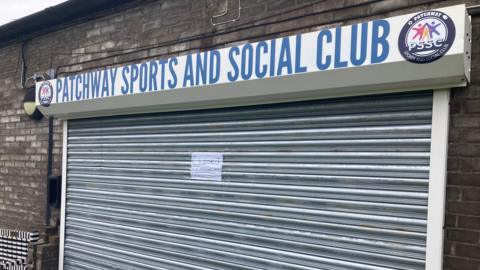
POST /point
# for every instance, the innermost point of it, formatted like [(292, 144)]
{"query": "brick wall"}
[(23, 154), (23, 148), (170, 27), (462, 243)]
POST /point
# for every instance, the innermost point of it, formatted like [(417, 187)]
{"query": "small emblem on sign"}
[(45, 94), (426, 37)]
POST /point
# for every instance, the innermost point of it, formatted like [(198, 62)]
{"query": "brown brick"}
[(471, 194), (456, 263), (468, 251), (455, 134), (469, 222), (473, 91), (472, 106), (386, 6), (453, 164), (280, 5), (470, 164), (466, 121), (464, 149), (456, 107), (464, 236), (463, 179), (464, 208), (453, 193), (471, 135), (450, 220), (449, 248)]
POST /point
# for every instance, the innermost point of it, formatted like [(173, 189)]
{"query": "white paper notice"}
[(207, 166)]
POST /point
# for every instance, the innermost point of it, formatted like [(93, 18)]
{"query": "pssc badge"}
[(426, 37), (45, 94)]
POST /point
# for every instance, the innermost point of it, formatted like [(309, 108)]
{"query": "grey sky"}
[(15, 9)]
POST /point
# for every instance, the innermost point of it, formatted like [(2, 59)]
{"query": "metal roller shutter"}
[(331, 184)]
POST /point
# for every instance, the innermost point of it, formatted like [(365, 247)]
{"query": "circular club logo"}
[(426, 37), (45, 94)]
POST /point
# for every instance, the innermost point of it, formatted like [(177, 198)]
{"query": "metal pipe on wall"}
[(48, 211)]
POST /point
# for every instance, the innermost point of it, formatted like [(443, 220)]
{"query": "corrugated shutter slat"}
[(333, 184)]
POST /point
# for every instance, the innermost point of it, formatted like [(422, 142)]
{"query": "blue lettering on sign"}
[(247, 62), (233, 75), (133, 77), (125, 88), (72, 80), (273, 47), (59, 89), (298, 55), (172, 83), (152, 82), (78, 92), (338, 63), (201, 71), (86, 86), (336, 48), (355, 59), (95, 84), (324, 37), (105, 90), (260, 70), (214, 67), (113, 78), (65, 90), (285, 59), (380, 31), (162, 64), (143, 77), (188, 75)]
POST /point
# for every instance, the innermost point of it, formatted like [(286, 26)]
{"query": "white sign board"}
[(418, 50), (207, 166)]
